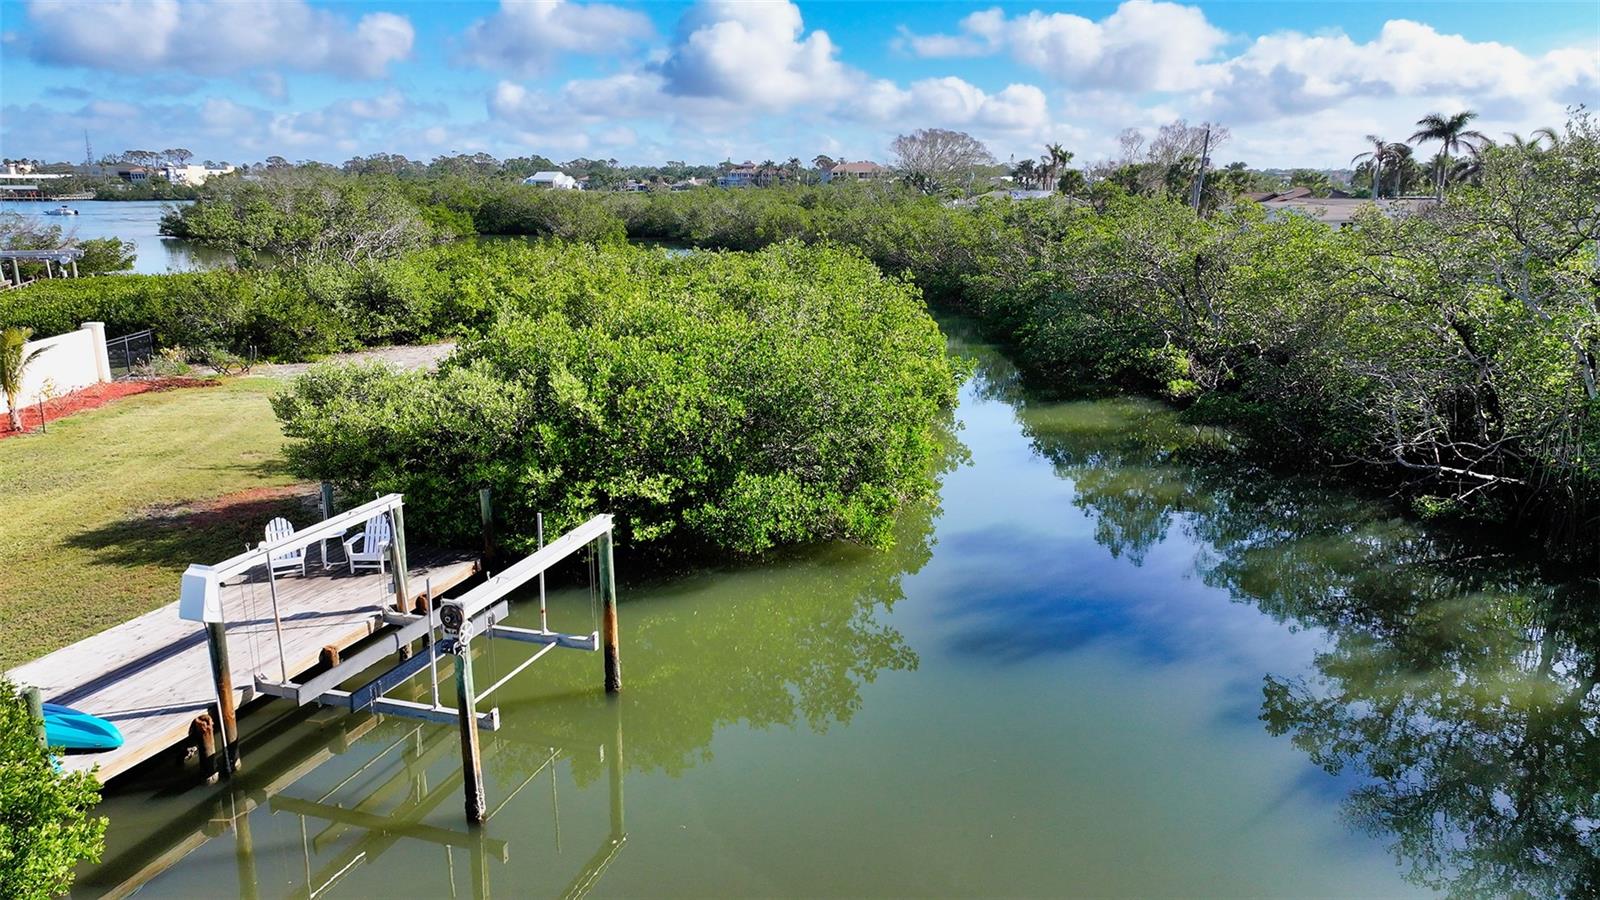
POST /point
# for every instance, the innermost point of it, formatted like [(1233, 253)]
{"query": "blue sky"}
[(1296, 83)]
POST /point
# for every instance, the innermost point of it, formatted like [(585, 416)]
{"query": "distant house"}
[(865, 170), (742, 175), (558, 180), (134, 174), (193, 176), (688, 184)]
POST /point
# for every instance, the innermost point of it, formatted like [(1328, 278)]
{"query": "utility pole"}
[(1200, 178)]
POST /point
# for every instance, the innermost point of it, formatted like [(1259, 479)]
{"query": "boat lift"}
[(445, 628), (478, 612)]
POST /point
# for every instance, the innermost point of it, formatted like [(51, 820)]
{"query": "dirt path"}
[(424, 356)]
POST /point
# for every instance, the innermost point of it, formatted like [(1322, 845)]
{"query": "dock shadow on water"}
[(1114, 659)]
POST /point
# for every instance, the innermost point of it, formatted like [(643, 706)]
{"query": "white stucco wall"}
[(69, 362)]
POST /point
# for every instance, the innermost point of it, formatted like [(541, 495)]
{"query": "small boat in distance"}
[(62, 210)]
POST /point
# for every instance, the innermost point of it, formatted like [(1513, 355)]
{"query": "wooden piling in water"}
[(203, 732), (402, 599), (222, 677), (459, 628), (608, 618)]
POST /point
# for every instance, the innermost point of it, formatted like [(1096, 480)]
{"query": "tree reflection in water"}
[(788, 641), (1456, 681)]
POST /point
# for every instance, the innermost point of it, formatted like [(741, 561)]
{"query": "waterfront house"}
[(742, 175), (192, 175), (557, 180), (865, 170)]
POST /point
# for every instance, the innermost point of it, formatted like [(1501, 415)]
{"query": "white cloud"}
[(527, 36), (751, 52), (1290, 73), (207, 37), (1143, 45), (952, 103)]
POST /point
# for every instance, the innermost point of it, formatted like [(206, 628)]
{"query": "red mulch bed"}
[(92, 397)]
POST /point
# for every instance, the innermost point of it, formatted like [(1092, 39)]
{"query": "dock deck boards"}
[(152, 676)]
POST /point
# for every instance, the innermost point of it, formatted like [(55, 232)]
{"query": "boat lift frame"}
[(480, 611)]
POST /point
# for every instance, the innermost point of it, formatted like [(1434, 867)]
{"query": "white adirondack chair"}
[(287, 560), (373, 540)]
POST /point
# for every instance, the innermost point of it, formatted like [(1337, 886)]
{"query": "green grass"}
[(100, 516)]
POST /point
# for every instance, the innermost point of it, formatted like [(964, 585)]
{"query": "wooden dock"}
[(152, 676)]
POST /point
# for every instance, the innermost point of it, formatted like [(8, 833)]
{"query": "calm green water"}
[(135, 221), (1095, 669)]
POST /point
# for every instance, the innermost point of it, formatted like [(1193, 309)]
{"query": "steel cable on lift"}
[(594, 596), (250, 604)]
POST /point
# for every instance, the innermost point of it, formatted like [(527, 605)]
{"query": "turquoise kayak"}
[(68, 729)]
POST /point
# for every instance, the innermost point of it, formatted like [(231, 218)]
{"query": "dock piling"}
[(608, 622), (203, 732), (222, 676), (458, 628)]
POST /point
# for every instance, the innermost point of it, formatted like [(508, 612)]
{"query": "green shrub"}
[(220, 310), (45, 826), (714, 402)]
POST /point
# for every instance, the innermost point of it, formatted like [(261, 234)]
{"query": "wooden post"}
[(486, 520), (35, 702), (326, 494), (460, 630), (397, 570), (397, 518), (203, 732), (329, 656), (608, 619), (222, 676)]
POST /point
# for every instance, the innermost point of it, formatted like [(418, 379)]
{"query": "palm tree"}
[(1399, 156), (14, 362), (1058, 157), (764, 174), (1379, 151), (1549, 135), (1453, 135), (1025, 171), (792, 168)]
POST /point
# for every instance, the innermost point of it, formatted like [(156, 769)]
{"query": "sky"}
[(1296, 83)]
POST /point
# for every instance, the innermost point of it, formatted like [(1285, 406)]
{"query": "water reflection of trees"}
[(792, 640), (1455, 682)]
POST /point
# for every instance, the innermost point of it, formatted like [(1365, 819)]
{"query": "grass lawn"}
[(100, 516)]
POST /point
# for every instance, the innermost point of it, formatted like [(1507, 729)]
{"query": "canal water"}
[(134, 221), (1110, 661)]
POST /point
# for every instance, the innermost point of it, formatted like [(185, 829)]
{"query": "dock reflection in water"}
[(395, 792)]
